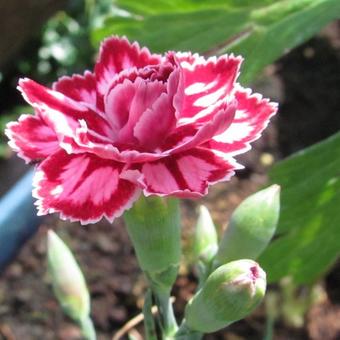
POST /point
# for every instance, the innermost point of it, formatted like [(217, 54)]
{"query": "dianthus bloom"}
[(162, 125)]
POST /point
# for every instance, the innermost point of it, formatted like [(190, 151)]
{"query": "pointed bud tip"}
[(205, 240), (51, 237), (203, 209), (204, 218), (257, 277), (257, 272), (253, 276), (274, 189), (271, 193), (50, 233)]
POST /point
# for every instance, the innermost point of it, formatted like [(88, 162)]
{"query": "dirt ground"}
[(306, 83)]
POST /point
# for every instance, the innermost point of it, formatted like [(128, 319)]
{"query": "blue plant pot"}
[(18, 219)]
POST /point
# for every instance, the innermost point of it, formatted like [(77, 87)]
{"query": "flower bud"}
[(153, 224), (251, 227), (230, 293), (205, 237), (67, 279)]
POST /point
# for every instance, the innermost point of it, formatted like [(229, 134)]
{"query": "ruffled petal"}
[(82, 188), (156, 134), (63, 114), (126, 103), (161, 72), (31, 138), (190, 136), (251, 118), (118, 54), (187, 174), (108, 151), (155, 124), (79, 88), (203, 84)]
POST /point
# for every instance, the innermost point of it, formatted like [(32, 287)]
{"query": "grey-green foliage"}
[(308, 235), (260, 30)]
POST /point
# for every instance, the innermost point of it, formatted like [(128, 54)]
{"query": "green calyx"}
[(162, 281), (205, 237), (230, 293), (67, 279), (69, 284), (251, 227), (153, 224)]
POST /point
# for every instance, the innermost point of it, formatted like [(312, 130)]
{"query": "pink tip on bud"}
[(229, 294), (255, 272)]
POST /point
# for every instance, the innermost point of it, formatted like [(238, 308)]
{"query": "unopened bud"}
[(230, 293), (67, 279), (251, 227), (205, 237)]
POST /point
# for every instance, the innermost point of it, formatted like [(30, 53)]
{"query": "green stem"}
[(204, 270), (149, 321), (87, 328), (269, 328), (168, 321), (185, 333)]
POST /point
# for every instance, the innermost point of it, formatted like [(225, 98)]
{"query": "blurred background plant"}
[(61, 47)]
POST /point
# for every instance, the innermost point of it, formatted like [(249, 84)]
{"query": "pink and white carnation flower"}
[(139, 123)]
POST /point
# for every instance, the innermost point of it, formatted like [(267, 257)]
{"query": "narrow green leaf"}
[(279, 28), (308, 237), (261, 31)]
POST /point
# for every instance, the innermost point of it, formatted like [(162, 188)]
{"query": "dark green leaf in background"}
[(308, 237), (261, 31)]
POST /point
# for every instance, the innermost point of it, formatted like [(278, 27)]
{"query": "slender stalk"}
[(149, 321), (87, 328), (204, 270), (154, 227), (168, 321), (185, 333), (269, 330)]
